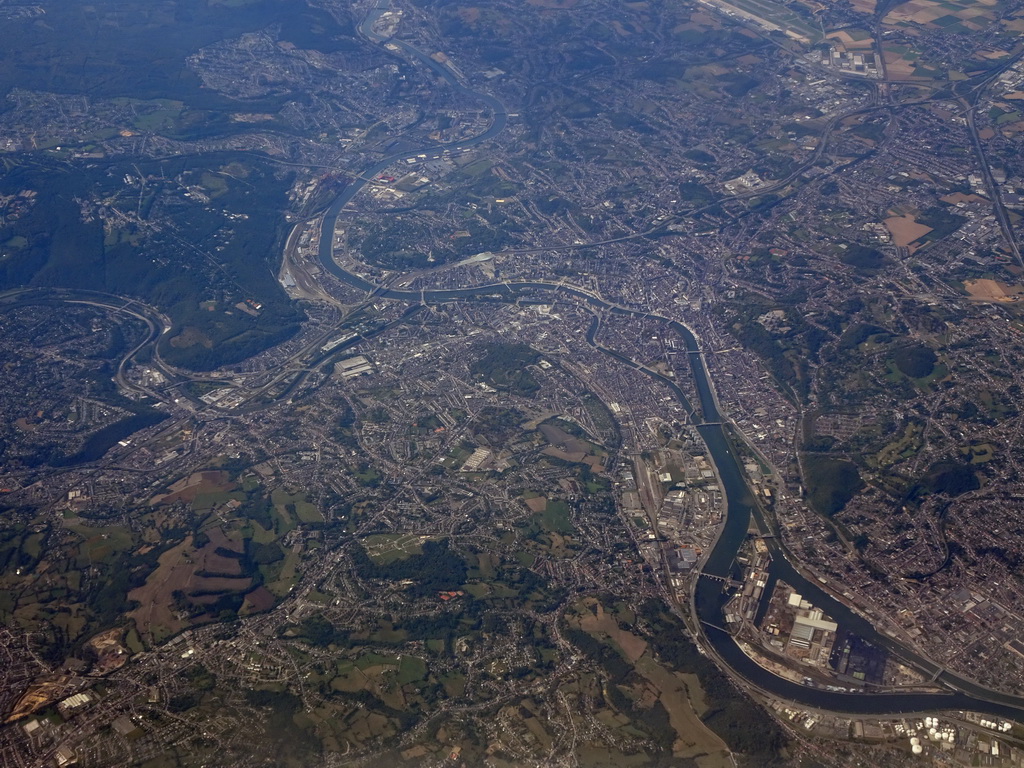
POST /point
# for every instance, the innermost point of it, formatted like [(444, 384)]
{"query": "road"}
[(994, 192), (964, 694)]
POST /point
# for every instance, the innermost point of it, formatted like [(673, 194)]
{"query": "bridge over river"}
[(708, 598)]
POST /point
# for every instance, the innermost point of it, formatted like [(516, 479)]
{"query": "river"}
[(709, 597)]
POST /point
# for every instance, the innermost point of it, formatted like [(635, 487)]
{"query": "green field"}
[(411, 669), (557, 518)]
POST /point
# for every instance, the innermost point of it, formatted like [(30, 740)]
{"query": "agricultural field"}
[(905, 229), (948, 15), (204, 549), (985, 289)]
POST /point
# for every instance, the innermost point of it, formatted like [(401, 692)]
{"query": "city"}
[(433, 384)]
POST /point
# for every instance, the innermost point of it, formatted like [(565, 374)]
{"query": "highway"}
[(708, 595), (986, 170)]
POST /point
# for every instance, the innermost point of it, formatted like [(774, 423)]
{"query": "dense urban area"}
[(547, 383)]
